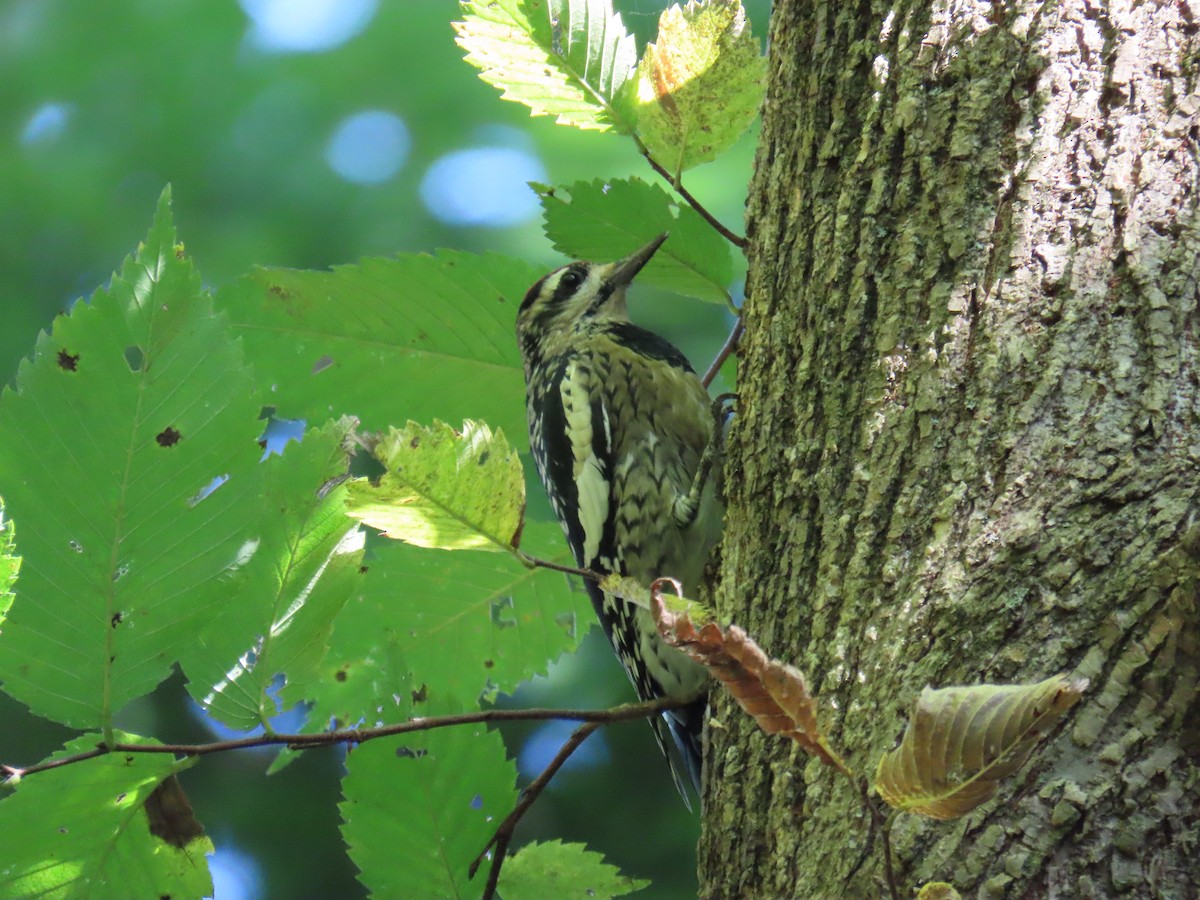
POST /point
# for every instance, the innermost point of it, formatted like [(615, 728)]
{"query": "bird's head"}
[(570, 299)]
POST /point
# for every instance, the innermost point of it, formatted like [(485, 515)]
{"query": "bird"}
[(625, 440)]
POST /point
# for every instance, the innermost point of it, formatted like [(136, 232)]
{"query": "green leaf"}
[(109, 448), (604, 220), (388, 340), (700, 84), (444, 489), (961, 741), (418, 811), (565, 872), (304, 571), (10, 563), (117, 825), (570, 59)]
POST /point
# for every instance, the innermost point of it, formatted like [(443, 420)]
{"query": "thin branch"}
[(504, 831), (736, 239), (621, 713), (879, 823), (534, 562), (727, 348)]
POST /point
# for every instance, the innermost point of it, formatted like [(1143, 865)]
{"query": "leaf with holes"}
[(961, 741), (118, 825), (360, 340), (128, 453), (606, 219), (572, 59)]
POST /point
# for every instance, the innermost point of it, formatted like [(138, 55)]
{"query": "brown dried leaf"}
[(961, 741), (774, 693)]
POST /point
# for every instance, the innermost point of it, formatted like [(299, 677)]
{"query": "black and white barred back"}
[(618, 423)]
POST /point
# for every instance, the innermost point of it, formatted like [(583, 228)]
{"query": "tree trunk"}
[(968, 443)]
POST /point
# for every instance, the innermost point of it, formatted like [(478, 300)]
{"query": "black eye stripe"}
[(572, 278)]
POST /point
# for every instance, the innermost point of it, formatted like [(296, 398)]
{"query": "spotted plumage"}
[(618, 423)]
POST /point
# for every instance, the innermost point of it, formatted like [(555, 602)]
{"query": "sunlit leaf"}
[(444, 489), (10, 563), (565, 872), (603, 220), (387, 340), (961, 741), (565, 58), (699, 84), (419, 809), (117, 825), (130, 452)]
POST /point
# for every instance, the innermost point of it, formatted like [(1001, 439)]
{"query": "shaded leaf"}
[(699, 84), (604, 220), (444, 489), (418, 810), (564, 58), (961, 741), (116, 825), (305, 570), (565, 872), (358, 340), (130, 452)]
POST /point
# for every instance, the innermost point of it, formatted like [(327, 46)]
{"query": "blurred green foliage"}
[(103, 105)]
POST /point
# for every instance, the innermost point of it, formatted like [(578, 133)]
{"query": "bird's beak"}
[(623, 271)]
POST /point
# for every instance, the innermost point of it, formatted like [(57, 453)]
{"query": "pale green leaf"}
[(306, 569), (571, 59), (109, 447), (565, 872), (604, 220), (419, 809), (961, 741), (103, 828), (700, 84), (387, 340), (444, 489)]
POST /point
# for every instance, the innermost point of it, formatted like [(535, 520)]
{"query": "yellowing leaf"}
[(700, 84), (443, 488), (961, 741)]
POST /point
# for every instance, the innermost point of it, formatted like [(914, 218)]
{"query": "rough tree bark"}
[(968, 444)]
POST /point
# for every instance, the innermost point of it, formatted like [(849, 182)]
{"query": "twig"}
[(736, 239), (727, 348), (504, 831), (536, 563), (622, 713), (879, 823)]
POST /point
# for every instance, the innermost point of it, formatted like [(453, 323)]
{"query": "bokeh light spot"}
[(47, 124), (483, 186), (368, 147), (306, 26)]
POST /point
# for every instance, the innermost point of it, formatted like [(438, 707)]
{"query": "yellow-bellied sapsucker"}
[(619, 423)]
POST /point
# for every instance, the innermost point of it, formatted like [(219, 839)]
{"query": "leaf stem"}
[(736, 239)]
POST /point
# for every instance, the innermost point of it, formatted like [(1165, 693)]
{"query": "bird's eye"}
[(571, 279)]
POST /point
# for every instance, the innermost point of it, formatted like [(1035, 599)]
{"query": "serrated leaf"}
[(360, 339), (565, 872), (570, 59), (10, 563), (444, 489), (418, 811), (961, 741), (700, 84), (109, 447), (302, 575), (604, 220), (116, 825)]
